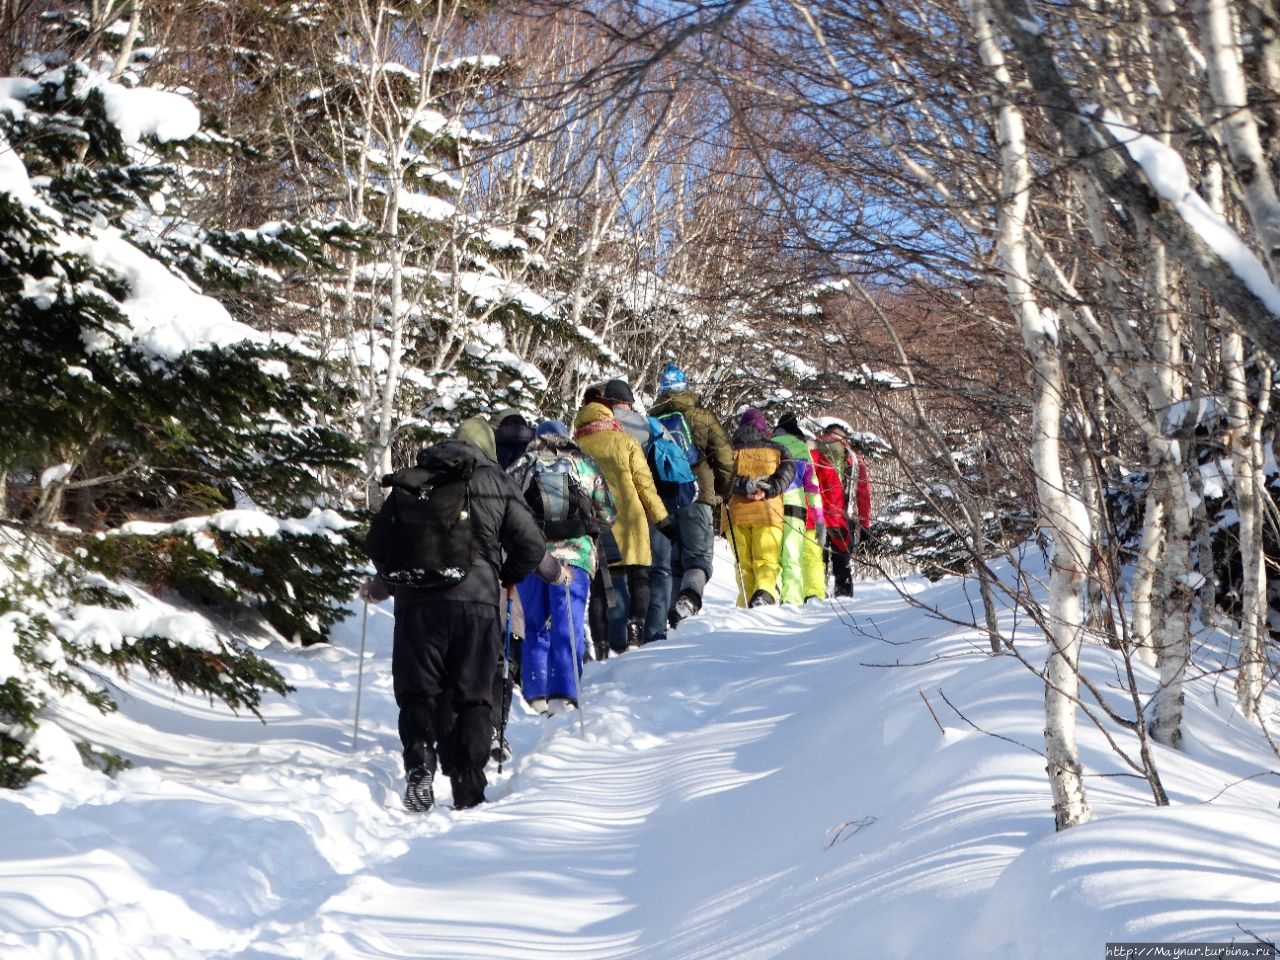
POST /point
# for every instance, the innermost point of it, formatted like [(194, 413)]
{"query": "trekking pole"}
[(505, 705), (364, 629), (577, 661), (737, 561)]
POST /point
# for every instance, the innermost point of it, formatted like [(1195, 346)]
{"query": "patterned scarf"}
[(596, 426)]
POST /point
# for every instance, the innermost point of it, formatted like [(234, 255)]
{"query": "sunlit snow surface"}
[(763, 784)]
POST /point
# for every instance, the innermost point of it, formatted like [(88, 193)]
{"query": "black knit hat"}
[(619, 391), (788, 423)]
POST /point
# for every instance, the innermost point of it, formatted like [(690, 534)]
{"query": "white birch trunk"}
[(1177, 582), (1246, 475), (1239, 126), (1146, 569), (1064, 516), (1177, 579)]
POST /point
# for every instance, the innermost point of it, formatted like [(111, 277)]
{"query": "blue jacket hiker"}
[(567, 492)]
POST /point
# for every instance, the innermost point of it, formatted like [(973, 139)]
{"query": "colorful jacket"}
[(761, 463), (578, 551), (625, 468), (803, 499), (714, 471), (844, 480)]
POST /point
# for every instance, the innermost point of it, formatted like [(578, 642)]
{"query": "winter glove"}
[(373, 590), (820, 534), (549, 569), (669, 529)]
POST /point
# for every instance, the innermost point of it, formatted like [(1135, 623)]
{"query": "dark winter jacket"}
[(501, 524), (714, 471)]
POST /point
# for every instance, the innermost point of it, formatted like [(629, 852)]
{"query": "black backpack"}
[(422, 536)]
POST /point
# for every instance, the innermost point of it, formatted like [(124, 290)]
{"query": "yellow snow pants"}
[(758, 548)]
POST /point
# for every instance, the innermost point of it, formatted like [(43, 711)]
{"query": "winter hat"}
[(672, 379), (787, 423), (838, 429), (619, 391), (593, 394), (509, 414), (477, 432), (553, 428), (751, 417)]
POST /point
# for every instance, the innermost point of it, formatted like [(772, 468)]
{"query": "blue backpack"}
[(676, 425), (672, 474)]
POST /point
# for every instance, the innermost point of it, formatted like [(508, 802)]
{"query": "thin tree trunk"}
[(1064, 516)]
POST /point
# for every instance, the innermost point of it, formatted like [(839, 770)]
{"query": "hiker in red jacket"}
[(846, 500)]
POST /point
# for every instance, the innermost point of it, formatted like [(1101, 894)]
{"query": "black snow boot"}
[(635, 634), (418, 795), (761, 598), (687, 604)]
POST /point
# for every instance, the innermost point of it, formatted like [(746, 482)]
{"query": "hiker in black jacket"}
[(448, 639)]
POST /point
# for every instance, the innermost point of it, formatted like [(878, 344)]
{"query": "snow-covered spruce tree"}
[(149, 436)]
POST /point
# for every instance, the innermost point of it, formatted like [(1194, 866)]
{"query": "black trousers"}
[(442, 667), (598, 610), (841, 569), (630, 604)]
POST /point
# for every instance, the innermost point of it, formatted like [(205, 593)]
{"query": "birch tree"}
[(1065, 516)]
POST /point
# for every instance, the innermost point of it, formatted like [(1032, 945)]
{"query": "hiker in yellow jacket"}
[(762, 471), (621, 459)]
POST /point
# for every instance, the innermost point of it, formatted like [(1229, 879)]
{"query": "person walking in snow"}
[(554, 644), (693, 550), (616, 394), (600, 435), (845, 484), (447, 637), (754, 515), (803, 576)]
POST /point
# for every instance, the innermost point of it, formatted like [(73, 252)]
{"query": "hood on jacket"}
[(592, 413), (448, 454), (682, 400), (477, 432)]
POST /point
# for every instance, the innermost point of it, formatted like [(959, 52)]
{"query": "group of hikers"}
[(510, 544)]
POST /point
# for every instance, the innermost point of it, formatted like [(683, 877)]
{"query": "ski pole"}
[(577, 661), (504, 706), (737, 561), (364, 629)]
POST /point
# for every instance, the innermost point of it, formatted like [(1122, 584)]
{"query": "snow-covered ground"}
[(766, 783)]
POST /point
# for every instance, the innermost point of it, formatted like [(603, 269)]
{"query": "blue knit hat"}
[(671, 379), (555, 427)]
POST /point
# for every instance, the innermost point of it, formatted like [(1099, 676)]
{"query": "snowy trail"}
[(763, 784)]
